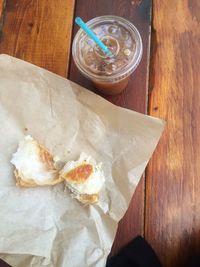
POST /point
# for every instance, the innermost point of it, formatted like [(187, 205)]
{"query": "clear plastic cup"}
[(110, 75)]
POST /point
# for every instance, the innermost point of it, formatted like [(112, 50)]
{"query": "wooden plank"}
[(173, 184), (3, 264), (1, 7), (2, 11), (39, 32), (134, 97)]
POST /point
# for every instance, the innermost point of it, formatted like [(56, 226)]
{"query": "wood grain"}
[(2, 11), (173, 184), (134, 97), (1, 7), (39, 32)]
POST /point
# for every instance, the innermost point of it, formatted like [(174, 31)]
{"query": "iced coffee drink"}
[(109, 73)]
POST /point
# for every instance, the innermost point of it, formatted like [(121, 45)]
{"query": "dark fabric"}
[(195, 262), (137, 253)]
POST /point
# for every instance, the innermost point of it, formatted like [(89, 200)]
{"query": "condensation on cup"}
[(110, 75)]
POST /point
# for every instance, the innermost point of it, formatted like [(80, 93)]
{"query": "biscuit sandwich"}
[(84, 178), (34, 165)]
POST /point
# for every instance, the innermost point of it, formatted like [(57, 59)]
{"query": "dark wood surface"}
[(173, 175), (134, 97), (3, 264)]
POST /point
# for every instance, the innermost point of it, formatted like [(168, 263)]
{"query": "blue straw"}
[(91, 34)]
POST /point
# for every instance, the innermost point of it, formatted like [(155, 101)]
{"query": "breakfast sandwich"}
[(34, 165), (84, 178)]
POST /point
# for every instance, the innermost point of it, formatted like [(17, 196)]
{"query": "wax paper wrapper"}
[(45, 226)]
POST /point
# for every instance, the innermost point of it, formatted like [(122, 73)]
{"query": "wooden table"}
[(165, 208)]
